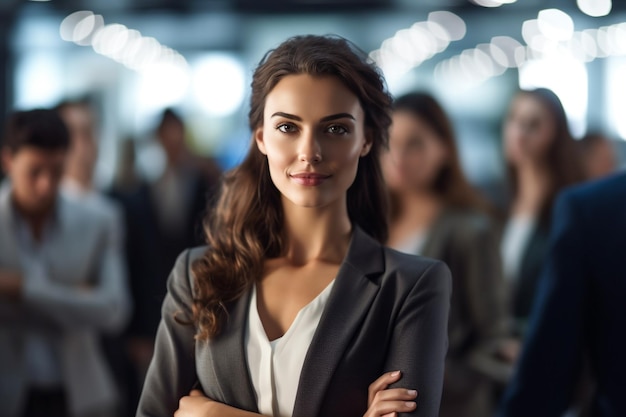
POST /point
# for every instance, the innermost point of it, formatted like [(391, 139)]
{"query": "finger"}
[(391, 415), (395, 394), (196, 393), (388, 407), (381, 383)]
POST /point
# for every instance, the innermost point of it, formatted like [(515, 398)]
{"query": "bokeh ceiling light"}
[(583, 47), (117, 42), (530, 29), (492, 3), (87, 28), (509, 46), (218, 84), (453, 24), (555, 24), (409, 48), (595, 8), (110, 40)]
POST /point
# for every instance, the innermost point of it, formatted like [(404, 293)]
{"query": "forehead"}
[(74, 114), (527, 104), (307, 96), (30, 155)]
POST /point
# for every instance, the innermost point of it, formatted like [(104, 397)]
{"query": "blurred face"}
[(416, 153), (83, 151), (35, 177), (600, 160), (313, 135), (528, 131), (172, 138)]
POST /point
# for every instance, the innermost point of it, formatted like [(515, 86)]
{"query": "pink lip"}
[(309, 178)]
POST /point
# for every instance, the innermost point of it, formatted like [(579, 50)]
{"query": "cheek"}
[(344, 159)]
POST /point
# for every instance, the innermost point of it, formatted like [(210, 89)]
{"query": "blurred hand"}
[(509, 350), (10, 284), (383, 402)]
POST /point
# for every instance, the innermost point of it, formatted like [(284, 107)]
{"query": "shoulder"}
[(596, 206), (415, 271), (96, 211), (597, 196), (467, 224), (188, 256)]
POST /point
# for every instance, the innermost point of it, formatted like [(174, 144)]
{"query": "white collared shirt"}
[(275, 366)]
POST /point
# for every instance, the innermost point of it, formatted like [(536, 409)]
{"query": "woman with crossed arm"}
[(295, 307)]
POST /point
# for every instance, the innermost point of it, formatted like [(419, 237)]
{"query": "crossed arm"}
[(173, 368)]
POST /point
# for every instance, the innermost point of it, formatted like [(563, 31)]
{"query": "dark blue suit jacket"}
[(580, 309)]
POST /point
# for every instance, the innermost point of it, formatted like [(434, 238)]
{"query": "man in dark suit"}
[(580, 309)]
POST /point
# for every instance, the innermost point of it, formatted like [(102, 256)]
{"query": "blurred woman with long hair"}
[(435, 212), (542, 159)]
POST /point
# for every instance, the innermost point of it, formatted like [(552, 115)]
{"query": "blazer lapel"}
[(228, 358), (353, 292)]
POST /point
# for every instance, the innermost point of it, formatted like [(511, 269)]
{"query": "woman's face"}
[(313, 135), (416, 153), (528, 131)]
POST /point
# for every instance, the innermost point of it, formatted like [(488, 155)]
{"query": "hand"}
[(194, 405), (10, 284), (509, 350), (383, 402)]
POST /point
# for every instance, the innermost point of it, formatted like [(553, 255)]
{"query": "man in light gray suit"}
[(62, 281)]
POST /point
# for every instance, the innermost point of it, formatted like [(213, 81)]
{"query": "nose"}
[(46, 185), (310, 150)]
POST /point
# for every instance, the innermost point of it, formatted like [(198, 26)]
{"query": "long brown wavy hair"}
[(561, 157), (450, 184), (246, 226)]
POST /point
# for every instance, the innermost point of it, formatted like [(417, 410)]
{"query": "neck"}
[(35, 220), (533, 185), (421, 205), (314, 234)]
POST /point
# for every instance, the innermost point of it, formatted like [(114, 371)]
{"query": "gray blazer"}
[(466, 241), (387, 311), (85, 294)]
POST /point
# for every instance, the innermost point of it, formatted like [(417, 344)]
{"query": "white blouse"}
[(275, 366), (515, 239), (413, 244)]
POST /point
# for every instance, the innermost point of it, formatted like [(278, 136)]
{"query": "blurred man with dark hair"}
[(62, 281)]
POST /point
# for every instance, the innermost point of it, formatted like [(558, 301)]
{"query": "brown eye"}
[(286, 128), (337, 130)]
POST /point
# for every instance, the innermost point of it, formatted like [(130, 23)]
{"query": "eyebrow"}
[(323, 119)]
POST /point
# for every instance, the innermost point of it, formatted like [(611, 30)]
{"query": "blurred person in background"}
[(542, 159), (82, 155), (579, 315), (436, 213), (598, 155), (62, 281), (78, 183), (163, 217)]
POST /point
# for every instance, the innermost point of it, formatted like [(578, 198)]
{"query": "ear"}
[(367, 144), (258, 138)]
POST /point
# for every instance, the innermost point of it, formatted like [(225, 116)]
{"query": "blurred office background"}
[(135, 57)]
